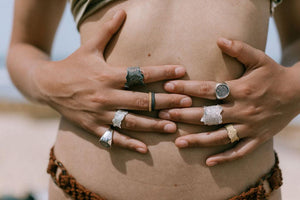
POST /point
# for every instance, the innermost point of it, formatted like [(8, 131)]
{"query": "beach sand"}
[(26, 136)]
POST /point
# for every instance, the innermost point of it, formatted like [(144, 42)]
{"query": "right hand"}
[(88, 91)]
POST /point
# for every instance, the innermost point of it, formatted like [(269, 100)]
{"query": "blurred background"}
[(27, 131)]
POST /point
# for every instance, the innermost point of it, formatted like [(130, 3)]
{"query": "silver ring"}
[(212, 115), (118, 118), (106, 139), (222, 91)]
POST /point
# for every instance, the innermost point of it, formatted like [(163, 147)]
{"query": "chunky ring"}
[(134, 77), (222, 90), (118, 118), (212, 115), (151, 101), (106, 139), (232, 133)]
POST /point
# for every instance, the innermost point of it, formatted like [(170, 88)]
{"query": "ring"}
[(106, 139), (118, 118), (222, 91), (212, 115), (134, 77), (232, 133), (151, 101)]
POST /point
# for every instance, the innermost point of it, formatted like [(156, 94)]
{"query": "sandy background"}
[(28, 132)]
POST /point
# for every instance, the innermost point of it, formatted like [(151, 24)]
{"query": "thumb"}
[(246, 54), (106, 31)]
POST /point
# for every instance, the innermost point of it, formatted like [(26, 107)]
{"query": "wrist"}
[(39, 76)]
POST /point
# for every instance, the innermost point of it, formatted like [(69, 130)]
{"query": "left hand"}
[(261, 103)]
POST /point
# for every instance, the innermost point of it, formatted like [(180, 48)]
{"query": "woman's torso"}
[(160, 32)]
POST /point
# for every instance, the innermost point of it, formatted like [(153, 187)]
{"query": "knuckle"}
[(175, 114), (169, 73), (159, 125), (174, 101), (109, 28), (130, 123), (142, 102), (204, 89), (102, 100), (246, 91), (251, 110), (146, 74), (239, 47)]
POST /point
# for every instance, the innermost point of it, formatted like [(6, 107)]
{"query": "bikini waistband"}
[(260, 191)]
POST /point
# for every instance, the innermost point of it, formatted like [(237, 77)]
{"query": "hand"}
[(261, 103), (88, 91)]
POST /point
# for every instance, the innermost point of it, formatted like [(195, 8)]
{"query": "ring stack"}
[(212, 115), (151, 101), (232, 133), (134, 77), (106, 139), (118, 118), (222, 91)]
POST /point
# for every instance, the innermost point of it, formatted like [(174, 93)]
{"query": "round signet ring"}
[(134, 77), (222, 91)]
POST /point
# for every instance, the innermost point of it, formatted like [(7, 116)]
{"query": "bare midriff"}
[(158, 32)]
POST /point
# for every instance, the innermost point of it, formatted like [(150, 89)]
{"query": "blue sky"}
[(67, 40)]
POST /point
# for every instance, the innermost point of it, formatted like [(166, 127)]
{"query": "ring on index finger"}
[(222, 91), (134, 77)]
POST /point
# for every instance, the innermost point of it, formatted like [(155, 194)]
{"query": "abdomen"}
[(170, 32)]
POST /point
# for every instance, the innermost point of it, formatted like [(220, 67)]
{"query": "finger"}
[(194, 115), (202, 89), (151, 73), (106, 31), (123, 141), (144, 123), (249, 56), (208, 139), (242, 148), (130, 100)]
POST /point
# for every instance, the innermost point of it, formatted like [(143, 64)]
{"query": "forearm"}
[(22, 61)]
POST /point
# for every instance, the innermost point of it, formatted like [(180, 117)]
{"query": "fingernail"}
[(116, 14), (164, 115), (169, 128), (169, 86), (186, 102), (141, 150), (226, 42), (179, 71), (182, 143), (212, 163)]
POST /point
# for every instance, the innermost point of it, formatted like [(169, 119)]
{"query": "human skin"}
[(201, 64)]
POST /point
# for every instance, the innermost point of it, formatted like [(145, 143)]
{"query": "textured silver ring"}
[(134, 77), (118, 118), (106, 139), (212, 115), (222, 90)]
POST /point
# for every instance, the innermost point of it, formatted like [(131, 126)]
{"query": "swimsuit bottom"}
[(260, 191)]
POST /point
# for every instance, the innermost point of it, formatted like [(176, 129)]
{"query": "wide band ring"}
[(118, 118), (134, 77), (212, 115), (106, 139), (222, 91), (232, 133)]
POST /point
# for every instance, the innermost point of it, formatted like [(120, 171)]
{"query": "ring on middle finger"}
[(134, 77), (118, 118), (212, 115)]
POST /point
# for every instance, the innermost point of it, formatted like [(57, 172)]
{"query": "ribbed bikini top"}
[(81, 9)]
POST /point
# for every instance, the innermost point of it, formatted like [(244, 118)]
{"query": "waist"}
[(169, 32)]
